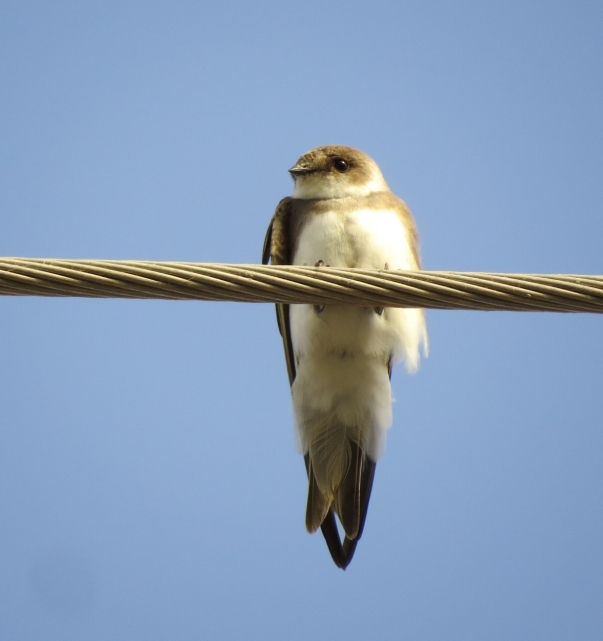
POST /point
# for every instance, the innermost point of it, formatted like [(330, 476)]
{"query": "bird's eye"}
[(340, 165)]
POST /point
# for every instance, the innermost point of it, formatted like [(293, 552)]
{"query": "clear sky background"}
[(149, 484)]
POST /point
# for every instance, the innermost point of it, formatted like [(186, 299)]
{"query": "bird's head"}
[(336, 171)]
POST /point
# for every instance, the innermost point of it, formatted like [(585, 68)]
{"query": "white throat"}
[(335, 186)]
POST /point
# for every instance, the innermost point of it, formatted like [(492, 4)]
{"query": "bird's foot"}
[(319, 308)]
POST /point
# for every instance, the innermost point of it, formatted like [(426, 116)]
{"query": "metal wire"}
[(288, 284)]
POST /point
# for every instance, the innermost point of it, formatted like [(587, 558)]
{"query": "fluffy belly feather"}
[(342, 354)]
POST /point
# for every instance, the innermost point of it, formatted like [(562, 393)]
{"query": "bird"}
[(339, 358)]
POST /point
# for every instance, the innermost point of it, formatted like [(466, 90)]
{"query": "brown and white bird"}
[(339, 358)]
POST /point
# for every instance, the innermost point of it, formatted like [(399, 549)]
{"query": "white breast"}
[(362, 238)]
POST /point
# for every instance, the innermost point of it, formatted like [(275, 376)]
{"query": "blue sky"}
[(149, 485)]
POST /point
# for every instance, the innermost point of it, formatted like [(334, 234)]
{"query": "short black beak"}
[(298, 170)]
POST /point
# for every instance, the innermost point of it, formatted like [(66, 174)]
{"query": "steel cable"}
[(289, 284)]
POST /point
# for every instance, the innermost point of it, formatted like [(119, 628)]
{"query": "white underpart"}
[(342, 353)]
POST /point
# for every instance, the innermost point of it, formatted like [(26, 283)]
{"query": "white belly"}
[(342, 353)]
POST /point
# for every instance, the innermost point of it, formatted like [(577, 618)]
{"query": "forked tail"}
[(349, 501)]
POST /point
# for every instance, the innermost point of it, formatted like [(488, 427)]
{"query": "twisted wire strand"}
[(296, 284)]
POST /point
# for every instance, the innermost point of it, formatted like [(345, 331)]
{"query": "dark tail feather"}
[(348, 498), (366, 485), (351, 505), (353, 498), (331, 534), (318, 506), (328, 526)]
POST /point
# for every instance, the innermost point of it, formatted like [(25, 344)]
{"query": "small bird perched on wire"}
[(339, 358)]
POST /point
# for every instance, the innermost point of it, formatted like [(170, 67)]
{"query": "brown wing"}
[(277, 250)]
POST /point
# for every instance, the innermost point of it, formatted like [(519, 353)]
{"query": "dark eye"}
[(340, 165)]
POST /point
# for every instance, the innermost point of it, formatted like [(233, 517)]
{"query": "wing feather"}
[(277, 250)]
